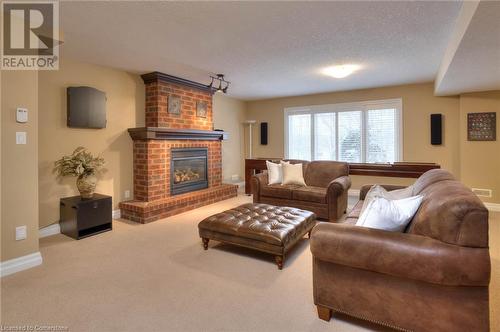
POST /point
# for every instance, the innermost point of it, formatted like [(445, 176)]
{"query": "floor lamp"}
[(249, 123)]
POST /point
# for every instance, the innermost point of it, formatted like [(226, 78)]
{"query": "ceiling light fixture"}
[(223, 84), (340, 71)]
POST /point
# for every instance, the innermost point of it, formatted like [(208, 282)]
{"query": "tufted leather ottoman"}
[(263, 227)]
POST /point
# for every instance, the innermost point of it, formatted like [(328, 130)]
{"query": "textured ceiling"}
[(266, 49)]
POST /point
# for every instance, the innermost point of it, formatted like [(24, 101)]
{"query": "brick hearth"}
[(153, 145), (145, 212)]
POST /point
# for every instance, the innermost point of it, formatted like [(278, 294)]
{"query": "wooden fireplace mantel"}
[(147, 133)]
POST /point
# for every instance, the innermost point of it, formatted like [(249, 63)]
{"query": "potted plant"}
[(84, 166)]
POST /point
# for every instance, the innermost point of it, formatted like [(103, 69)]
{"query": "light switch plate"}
[(127, 194), (20, 137), (22, 115), (21, 233)]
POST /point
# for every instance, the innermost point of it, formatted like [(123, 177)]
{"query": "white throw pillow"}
[(389, 215), (379, 191), (274, 173), (292, 174)]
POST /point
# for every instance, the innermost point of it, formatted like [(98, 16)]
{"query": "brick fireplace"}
[(177, 157)]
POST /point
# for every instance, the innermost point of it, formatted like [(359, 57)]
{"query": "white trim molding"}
[(494, 207), (56, 228), (19, 264), (49, 230), (117, 214)]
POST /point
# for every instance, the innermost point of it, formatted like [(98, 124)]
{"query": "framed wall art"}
[(174, 104), (201, 109), (482, 126)]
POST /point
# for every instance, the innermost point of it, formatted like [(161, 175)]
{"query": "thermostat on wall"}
[(22, 115)]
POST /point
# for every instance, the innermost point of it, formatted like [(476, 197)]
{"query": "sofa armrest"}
[(338, 186), (365, 188), (400, 254), (257, 181)]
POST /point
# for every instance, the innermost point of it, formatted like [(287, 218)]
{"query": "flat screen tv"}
[(86, 107)]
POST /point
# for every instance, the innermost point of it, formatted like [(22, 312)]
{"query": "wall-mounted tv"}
[(86, 107)]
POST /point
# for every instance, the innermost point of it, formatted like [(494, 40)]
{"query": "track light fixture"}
[(211, 83), (223, 84)]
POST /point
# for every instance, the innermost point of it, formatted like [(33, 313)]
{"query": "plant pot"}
[(86, 185)]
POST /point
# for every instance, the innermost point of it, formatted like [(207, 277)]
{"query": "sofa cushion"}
[(278, 190), (431, 177), (274, 173), (380, 191), (321, 173), (389, 214), (310, 194), (293, 174)]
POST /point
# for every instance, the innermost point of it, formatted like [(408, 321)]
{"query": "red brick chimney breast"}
[(167, 129)]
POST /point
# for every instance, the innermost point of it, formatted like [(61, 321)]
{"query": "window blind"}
[(356, 132)]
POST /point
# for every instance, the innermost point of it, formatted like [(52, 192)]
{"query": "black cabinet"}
[(85, 217)]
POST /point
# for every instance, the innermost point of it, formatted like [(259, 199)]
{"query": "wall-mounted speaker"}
[(436, 129), (263, 133)]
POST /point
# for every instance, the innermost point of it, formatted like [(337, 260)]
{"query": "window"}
[(324, 140), (350, 136), (364, 132), (300, 126)]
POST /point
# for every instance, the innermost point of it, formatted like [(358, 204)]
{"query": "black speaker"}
[(263, 133), (436, 129)]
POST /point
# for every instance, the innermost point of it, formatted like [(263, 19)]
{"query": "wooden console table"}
[(397, 170)]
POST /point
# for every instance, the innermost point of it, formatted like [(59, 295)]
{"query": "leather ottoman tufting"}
[(263, 227)]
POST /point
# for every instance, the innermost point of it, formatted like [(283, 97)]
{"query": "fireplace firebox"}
[(188, 170)]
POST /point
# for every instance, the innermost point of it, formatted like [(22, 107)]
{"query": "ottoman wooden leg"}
[(324, 313), (309, 234), (279, 261), (205, 242)]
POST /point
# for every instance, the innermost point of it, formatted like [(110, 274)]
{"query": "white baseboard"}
[(117, 214), (353, 192), (49, 230), (19, 264), (495, 207)]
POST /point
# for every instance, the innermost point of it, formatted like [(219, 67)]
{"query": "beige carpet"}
[(157, 277)]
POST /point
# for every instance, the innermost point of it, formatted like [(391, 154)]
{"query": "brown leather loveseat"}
[(432, 277), (325, 193)]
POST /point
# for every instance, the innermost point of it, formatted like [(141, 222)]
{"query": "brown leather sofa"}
[(432, 277), (325, 194)]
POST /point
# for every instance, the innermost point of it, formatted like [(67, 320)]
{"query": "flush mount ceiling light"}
[(222, 86), (340, 71)]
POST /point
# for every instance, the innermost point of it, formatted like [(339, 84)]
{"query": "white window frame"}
[(363, 106)]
